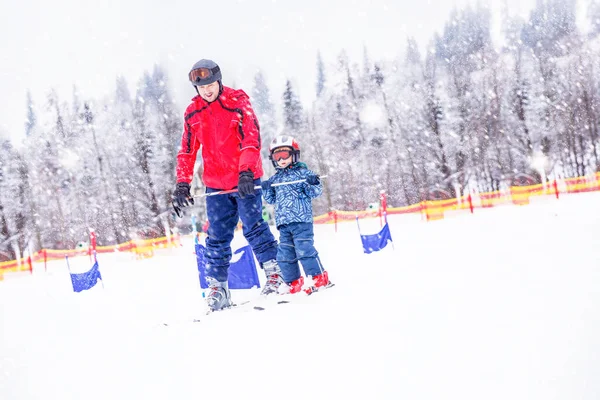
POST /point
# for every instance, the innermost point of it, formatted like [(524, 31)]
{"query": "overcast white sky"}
[(59, 43)]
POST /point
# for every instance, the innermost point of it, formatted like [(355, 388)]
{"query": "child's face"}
[(284, 162), (283, 158)]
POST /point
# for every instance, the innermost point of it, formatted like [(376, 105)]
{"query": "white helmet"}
[(284, 141)]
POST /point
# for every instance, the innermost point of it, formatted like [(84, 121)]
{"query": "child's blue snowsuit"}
[(293, 216)]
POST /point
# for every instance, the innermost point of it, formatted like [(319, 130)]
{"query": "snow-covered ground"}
[(503, 304)]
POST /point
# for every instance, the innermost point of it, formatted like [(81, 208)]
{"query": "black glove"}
[(313, 179), (246, 184), (265, 185), (182, 197)]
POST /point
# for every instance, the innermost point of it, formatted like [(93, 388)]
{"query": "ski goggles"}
[(200, 74), (281, 155)]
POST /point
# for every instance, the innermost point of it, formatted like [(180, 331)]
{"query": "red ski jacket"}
[(229, 134)]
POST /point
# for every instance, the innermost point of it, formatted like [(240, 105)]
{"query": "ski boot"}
[(274, 279), (296, 285), (218, 296), (320, 281)]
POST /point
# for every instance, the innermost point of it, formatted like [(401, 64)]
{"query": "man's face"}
[(209, 92)]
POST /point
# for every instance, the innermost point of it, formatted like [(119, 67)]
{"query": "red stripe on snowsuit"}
[(229, 134)]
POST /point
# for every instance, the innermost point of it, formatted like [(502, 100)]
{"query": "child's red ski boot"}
[(320, 281), (296, 285)]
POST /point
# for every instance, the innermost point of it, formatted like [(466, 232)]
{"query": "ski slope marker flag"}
[(377, 241), (242, 273), (85, 280)]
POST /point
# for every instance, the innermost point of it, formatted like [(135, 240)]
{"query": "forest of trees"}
[(462, 116)]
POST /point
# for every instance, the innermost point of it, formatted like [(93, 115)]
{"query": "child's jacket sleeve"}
[(312, 191), (269, 195)]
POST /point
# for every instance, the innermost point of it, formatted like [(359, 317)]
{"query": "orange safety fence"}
[(431, 209), (13, 266), (141, 248), (582, 184), (435, 209)]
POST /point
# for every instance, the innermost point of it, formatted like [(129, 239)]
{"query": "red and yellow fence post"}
[(333, 215)]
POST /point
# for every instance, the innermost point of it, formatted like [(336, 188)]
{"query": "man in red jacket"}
[(222, 122)]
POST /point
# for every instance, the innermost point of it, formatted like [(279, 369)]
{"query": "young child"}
[(293, 215)]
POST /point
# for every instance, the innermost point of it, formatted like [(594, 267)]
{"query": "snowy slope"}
[(503, 304)]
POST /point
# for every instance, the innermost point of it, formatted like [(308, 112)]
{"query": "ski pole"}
[(178, 211), (255, 188)]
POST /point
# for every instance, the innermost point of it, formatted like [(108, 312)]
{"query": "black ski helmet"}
[(205, 72)]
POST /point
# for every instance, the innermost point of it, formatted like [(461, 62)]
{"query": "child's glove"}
[(265, 185), (313, 179)]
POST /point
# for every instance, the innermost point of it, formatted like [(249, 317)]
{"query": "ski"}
[(180, 322), (231, 307), (255, 303), (313, 289), (195, 320), (262, 308)]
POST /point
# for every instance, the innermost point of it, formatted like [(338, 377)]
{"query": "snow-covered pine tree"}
[(266, 115), (321, 78), (12, 222)]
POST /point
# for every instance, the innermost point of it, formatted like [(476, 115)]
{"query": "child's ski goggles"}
[(281, 155)]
